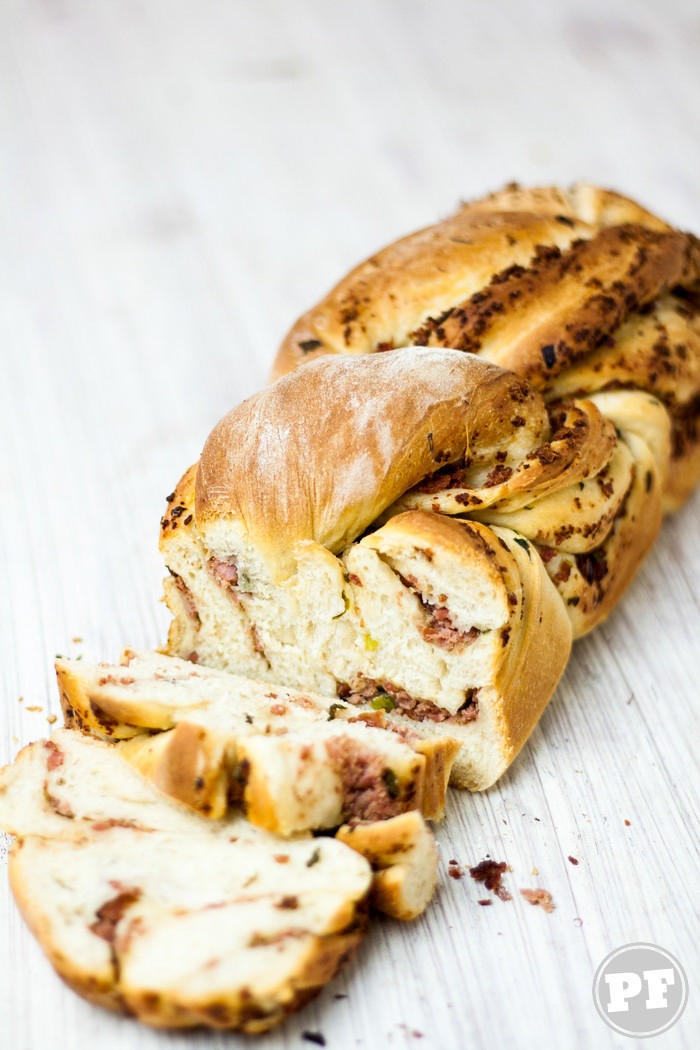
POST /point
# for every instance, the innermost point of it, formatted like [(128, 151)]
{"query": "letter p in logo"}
[(623, 987)]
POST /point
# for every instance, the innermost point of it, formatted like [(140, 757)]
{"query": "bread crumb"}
[(76, 640), (51, 719), (314, 1037), (20, 699), (541, 897), (34, 707), (535, 871), (490, 872)]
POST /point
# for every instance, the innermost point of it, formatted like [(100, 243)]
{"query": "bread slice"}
[(295, 761), (145, 907)]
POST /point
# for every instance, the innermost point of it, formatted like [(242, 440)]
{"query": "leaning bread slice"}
[(404, 859), (144, 907), (296, 761)]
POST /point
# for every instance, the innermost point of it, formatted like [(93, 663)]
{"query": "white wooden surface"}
[(178, 180)]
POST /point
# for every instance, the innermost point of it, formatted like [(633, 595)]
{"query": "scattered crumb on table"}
[(543, 898), (490, 873), (314, 1037)]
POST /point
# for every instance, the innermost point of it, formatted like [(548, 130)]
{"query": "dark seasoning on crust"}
[(651, 266)]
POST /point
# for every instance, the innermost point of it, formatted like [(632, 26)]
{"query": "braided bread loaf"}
[(578, 290), (361, 528)]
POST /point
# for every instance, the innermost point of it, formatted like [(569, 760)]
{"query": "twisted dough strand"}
[(578, 290)]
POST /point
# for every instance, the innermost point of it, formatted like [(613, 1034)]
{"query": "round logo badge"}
[(640, 990)]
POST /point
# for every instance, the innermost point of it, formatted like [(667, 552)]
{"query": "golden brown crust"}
[(324, 958), (189, 763), (592, 581), (582, 202), (545, 282), (533, 666), (97, 987), (179, 511), (81, 710), (385, 298), (682, 479), (439, 755), (403, 857), (540, 319), (260, 807), (437, 268), (657, 351), (292, 463)]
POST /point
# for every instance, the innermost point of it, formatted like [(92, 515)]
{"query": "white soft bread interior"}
[(145, 907), (295, 761), (578, 289)]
